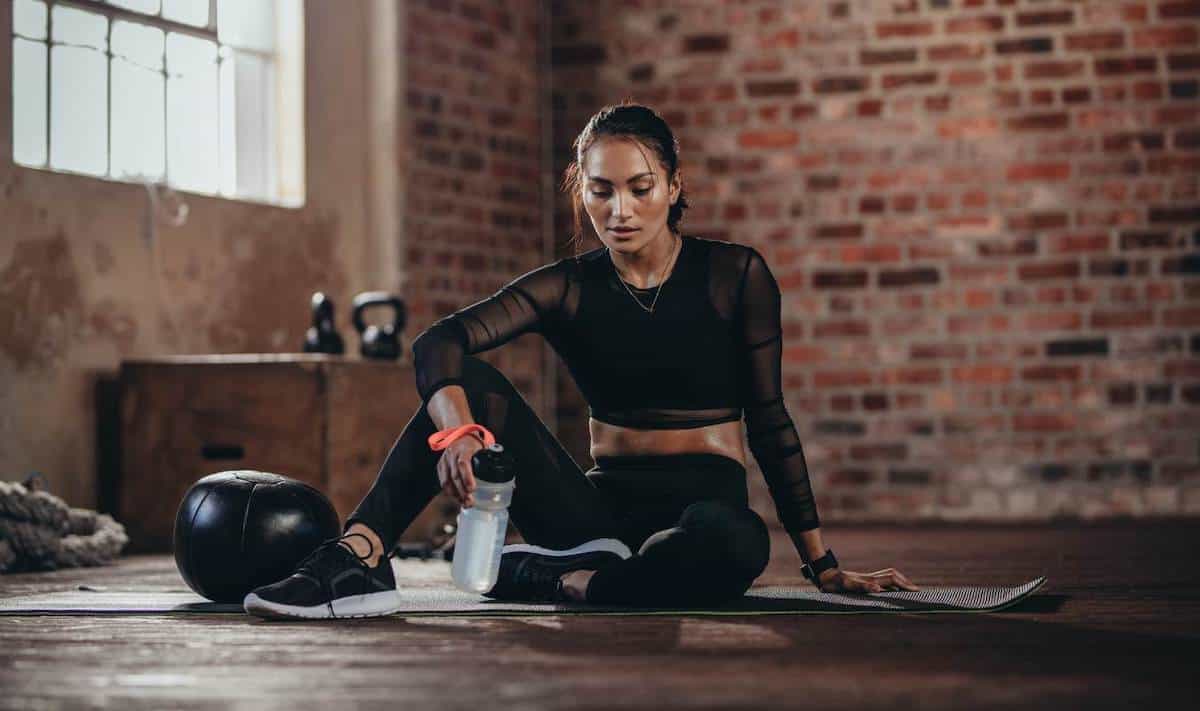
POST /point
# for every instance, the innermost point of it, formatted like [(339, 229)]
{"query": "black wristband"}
[(813, 569)]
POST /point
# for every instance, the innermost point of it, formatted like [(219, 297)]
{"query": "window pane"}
[(253, 81), (138, 43), (72, 26), (247, 24), (150, 7), (138, 148), (289, 72), (78, 110), (192, 145), (189, 12), (29, 102), (29, 19), (228, 111)]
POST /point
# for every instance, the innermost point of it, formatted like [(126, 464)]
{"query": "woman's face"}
[(625, 186)]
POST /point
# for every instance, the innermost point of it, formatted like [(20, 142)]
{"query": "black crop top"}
[(708, 353)]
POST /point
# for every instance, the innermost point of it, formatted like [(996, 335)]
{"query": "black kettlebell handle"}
[(368, 299)]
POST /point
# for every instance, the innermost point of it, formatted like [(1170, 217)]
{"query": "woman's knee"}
[(736, 535)]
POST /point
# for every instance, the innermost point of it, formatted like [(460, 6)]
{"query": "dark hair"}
[(636, 121)]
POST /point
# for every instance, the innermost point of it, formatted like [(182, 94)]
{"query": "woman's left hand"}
[(838, 580)]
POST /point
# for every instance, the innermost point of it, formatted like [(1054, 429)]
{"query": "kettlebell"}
[(381, 342), (321, 337)]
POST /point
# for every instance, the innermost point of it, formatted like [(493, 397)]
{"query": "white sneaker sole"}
[(377, 604), (609, 545)]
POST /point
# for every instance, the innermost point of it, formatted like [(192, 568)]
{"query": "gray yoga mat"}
[(767, 600)]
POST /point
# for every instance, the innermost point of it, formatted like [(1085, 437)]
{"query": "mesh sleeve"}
[(769, 428), (526, 304)]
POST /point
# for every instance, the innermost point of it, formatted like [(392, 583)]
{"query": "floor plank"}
[(1116, 625)]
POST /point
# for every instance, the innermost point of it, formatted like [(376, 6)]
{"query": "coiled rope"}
[(39, 531)]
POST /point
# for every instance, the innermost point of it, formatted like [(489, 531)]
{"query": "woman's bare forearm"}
[(449, 408)]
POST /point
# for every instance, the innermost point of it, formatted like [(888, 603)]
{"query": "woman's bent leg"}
[(554, 504), (712, 555)]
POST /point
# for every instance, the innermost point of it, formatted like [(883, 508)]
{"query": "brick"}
[(1021, 172), (956, 52), (1054, 70), (908, 277), (1024, 45), (1175, 214), (885, 30), (1048, 270), (836, 85), (1037, 221), (855, 279), (1052, 373), (1147, 91), (871, 204), (778, 138), (1168, 36), (1136, 142), (1145, 240), (872, 57), (979, 23), (844, 378), (782, 87), (838, 231), (1181, 317), (1143, 318), (1183, 62), (1183, 89), (1119, 66), (1044, 422), (1096, 41), (821, 183), (1045, 17), (1051, 320), (696, 44), (968, 127), (892, 81), (1075, 347), (1186, 264), (966, 77), (1179, 9), (1039, 122), (641, 72)]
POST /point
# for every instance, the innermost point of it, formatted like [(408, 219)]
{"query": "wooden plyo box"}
[(326, 420)]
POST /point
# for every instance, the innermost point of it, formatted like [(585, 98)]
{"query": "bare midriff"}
[(724, 438)]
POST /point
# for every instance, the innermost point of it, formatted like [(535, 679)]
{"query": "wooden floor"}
[(1116, 626)]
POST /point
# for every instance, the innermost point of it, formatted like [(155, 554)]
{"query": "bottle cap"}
[(493, 464)]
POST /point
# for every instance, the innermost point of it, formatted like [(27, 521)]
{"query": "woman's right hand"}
[(454, 469)]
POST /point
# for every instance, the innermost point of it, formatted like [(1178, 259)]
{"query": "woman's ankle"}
[(364, 543), (575, 584)]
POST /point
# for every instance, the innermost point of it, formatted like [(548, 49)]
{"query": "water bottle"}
[(481, 527)]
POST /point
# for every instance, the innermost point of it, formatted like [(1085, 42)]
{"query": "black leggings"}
[(686, 516)]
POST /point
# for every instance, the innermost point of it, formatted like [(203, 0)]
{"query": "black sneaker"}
[(529, 572), (332, 581)]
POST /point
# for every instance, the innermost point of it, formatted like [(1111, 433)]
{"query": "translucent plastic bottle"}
[(481, 527)]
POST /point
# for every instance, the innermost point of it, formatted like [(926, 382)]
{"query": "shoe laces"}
[(330, 557)]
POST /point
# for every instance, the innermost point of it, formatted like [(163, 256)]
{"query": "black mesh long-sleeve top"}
[(709, 353)]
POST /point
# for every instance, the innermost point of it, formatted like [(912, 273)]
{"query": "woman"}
[(671, 338)]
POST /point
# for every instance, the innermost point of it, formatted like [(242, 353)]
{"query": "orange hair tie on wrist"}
[(442, 439)]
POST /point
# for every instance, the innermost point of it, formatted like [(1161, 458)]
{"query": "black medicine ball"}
[(238, 530)]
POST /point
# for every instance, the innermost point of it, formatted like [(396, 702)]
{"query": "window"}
[(203, 95)]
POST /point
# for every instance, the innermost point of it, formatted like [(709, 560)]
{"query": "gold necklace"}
[(660, 279)]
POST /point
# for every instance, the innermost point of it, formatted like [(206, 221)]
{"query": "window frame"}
[(210, 33)]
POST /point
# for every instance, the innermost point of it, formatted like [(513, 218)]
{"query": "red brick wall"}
[(472, 164), (984, 218)]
